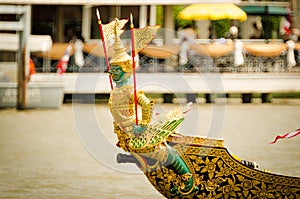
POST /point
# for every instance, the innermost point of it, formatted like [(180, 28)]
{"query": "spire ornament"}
[(120, 57)]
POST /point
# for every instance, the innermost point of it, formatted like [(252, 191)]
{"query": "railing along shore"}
[(220, 55)]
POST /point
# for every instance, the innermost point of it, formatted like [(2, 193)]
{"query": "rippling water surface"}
[(43, 155)]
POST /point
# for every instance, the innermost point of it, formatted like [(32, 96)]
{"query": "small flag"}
[(63, 62), (287, 135)]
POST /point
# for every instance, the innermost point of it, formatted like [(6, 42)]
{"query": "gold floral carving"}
[(217, 174)]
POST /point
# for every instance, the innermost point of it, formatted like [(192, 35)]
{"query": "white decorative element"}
[(79, 60), (291, 62), (238, 53), (233, 30)]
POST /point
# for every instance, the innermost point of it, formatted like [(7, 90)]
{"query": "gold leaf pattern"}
[(143, 36), (219, 175), (109, 29)]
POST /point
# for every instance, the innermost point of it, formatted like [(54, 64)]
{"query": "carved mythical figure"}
[(181, 166), (146, 137)]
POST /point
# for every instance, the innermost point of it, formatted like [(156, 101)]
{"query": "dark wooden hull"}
[(216, 173)]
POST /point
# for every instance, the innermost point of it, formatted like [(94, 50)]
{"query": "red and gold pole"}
[(133, 68), (104, 46)]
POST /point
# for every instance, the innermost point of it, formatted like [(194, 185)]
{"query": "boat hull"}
[(215, 172)]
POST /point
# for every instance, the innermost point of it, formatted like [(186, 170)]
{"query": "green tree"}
[(159, 15), (180, 23), (271, 24), (221, 27)]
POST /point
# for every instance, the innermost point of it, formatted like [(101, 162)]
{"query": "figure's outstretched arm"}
[(147, 108)]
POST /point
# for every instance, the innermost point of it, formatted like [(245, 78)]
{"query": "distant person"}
[(285, 29), (71, 35), (31, 69), (187, 37), (75, 37)]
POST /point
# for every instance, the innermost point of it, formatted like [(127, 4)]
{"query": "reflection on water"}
[(42, 155)]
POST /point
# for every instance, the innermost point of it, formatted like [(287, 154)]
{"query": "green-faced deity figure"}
[(122, 102), (145, 138)]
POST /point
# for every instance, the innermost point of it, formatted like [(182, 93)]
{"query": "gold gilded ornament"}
[(120, 57), (180, 166)]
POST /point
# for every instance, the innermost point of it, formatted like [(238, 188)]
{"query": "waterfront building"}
[(58, 18)]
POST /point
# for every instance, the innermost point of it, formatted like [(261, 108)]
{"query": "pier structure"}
[(261, 73), (188, 85)]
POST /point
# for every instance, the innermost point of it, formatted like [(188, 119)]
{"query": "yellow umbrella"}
[(212, 12)]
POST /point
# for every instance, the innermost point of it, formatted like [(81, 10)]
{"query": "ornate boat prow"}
[(215, 173), (179, 166)]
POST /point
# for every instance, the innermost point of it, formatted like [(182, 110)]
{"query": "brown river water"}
[(54, 153)]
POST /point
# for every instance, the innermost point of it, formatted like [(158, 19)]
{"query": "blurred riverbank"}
[(42, 155)]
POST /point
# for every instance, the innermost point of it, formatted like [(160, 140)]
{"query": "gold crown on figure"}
[(120, 57)]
